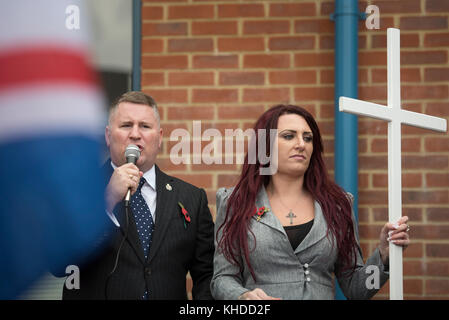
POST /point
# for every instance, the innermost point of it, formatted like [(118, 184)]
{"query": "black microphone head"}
[(132, 153)]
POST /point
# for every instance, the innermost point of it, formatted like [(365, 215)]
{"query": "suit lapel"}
[(317, 232), (269, 217), (133, 236), (166, 204)]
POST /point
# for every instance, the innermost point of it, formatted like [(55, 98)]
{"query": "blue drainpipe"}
[(346, 18), (136, 44)]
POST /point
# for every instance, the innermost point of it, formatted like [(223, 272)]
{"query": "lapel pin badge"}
[(168, 187)]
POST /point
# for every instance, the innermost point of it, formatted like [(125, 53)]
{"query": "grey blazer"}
[(305, 273)]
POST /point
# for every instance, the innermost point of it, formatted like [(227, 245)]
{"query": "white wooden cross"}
[(395, 117)]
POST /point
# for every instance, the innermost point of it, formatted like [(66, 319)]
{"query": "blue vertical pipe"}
[(136, 44), (346, 17)]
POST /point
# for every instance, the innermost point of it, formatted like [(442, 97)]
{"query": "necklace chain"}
[(291, 215), (280, 200)]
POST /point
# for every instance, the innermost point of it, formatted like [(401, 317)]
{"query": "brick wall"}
[(225, 62)]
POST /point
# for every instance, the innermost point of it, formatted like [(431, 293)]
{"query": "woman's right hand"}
[(256, 294)]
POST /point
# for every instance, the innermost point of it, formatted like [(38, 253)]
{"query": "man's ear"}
[(107, 134), (160, 138)]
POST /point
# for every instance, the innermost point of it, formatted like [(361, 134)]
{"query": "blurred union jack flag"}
[(51, 117)]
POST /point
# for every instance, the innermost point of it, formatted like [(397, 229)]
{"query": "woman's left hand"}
[(396, 233)]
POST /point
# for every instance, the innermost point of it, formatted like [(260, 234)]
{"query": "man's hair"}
[(136, 97)]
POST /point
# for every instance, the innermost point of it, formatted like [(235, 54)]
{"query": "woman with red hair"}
[(285, 235)]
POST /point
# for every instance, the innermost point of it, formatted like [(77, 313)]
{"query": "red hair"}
[(333, 200)]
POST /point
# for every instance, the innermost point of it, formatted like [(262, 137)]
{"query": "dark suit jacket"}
[(174, 251)]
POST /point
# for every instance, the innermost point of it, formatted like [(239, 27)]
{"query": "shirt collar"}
[(150, 175)]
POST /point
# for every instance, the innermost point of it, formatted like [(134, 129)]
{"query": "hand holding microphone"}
[(132, 154), (125, 179)]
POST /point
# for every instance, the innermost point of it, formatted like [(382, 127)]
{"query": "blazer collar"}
[(166, 207), (316, 233), (269, 217)]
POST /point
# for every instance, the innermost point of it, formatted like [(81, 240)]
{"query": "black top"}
[(296, 234)]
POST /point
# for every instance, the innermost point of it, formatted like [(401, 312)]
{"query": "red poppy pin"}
[(185, 215), (260, 212)]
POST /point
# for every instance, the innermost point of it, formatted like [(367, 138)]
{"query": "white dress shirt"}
[(148, 193)]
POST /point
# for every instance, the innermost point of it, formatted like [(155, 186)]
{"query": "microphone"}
[(132, 154)]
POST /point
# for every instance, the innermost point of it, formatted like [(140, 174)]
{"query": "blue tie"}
[(143, 218), (144, 221)]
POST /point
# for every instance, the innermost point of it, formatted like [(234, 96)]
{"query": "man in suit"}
[(168, 226)]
